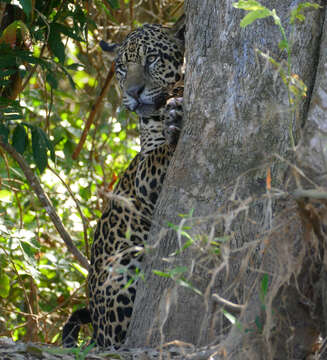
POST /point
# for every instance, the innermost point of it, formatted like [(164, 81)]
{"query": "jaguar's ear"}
[(113, 48)]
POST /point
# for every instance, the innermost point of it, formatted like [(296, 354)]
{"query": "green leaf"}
[(264, 287), (9, 103), (29, 251), (39, 148), (4, 133), (68, 32), (52, 80), (5, 196), (254, 15), (114, 4), (161, 273), (79, 268), (27, 6), (29, 248), (187, 244), (19, 139), (4, 82), (249, 5), (283, 45), (13, 117), (297, 13), (8, 72), (29, 57), (10, 32), (258, 323), (70, 79), (178, 270), (232, 319), (4, 285), (229, 316), (75, 66), (87, 350), (55, 338), (55, 42), (48, 143), (7, 61), (69, 147), (187, 216), (186, 284)]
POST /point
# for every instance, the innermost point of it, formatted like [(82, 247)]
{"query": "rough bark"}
[(236, 127)]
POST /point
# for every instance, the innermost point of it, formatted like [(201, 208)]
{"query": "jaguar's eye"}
[(151, 58), (121, 67)]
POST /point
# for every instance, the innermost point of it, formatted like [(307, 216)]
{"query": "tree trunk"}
[(236, 136)]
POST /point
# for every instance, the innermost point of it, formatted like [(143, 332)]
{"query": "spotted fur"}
[(148, 66)]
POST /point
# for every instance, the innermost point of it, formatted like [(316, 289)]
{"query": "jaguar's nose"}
[(135, 91)]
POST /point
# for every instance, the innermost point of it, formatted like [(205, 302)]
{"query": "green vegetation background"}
[(51, 74)]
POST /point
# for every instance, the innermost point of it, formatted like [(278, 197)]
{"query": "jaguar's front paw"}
[(173, 118)]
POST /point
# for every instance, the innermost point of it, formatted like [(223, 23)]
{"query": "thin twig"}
[(78, 209), (32, 71), (177, 8), (131, 13), (14, 190), (28, 304), (94, 110), (228, 304), (311, 194), (45, 201)]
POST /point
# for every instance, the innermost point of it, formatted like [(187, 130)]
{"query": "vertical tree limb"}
[(94, 110)]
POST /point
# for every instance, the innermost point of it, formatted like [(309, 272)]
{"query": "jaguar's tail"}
[(73, 325)]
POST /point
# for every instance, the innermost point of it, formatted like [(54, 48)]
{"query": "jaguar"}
[(148, 65)]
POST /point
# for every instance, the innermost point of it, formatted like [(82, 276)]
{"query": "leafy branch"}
[(45, 201), (295, 87)]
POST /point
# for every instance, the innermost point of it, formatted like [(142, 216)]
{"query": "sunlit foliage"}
[(51, 73)]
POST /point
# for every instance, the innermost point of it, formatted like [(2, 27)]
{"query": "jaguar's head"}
[(148, 64)]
